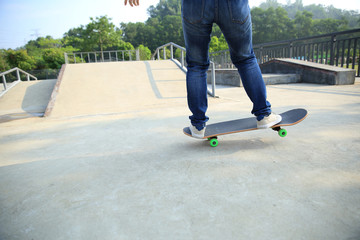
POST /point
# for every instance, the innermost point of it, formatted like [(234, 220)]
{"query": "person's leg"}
[(197, 32), (235, 22), (254, 86)]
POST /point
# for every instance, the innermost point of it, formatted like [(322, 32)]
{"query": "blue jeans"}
[(233, 18)]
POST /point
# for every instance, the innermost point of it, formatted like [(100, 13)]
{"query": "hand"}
[(132, 2)]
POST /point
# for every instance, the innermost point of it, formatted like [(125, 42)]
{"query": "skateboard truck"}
[(282, 132)]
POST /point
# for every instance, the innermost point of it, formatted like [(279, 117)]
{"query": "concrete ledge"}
[(231, 77), (272, 79), (311, 72)]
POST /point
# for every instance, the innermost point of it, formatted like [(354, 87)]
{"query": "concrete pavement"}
[(130, 173)]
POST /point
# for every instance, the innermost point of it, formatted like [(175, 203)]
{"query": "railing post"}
[(4, 82), (354, 55), (164, 53), (348, 54), (182, 58), (28, 77), (18, 75), (171, 52), (291, 50), (158, 54), (332, 49), (137, 54), (66, 58), (213, 78)]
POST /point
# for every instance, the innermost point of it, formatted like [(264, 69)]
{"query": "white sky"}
[(24, 20)]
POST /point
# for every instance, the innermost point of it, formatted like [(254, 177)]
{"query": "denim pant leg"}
[(197, 40), (235, 22), (254, 86)]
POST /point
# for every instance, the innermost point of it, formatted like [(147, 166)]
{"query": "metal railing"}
[(178, 57), (7, 85), (178, 54), (340, 49), (102, 56)]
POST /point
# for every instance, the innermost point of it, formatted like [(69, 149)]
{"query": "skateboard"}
[(214, 130)]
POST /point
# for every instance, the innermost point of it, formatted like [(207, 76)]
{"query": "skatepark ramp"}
[(97, 88), (23, 99), (115, 87)]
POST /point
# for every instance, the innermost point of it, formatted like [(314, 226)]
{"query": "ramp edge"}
[(54, 93)]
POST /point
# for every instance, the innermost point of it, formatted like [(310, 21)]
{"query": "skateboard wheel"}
[(282, 132), (214, 142)]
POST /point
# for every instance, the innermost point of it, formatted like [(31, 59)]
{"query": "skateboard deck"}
[(214, 130)]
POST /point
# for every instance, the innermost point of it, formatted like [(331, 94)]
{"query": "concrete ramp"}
[(116, 87), (26, 99)]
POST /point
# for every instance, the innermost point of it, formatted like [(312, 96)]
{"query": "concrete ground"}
[(129, 172)]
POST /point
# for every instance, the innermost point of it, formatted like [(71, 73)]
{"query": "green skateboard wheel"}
[(282, 133), (214, 142)]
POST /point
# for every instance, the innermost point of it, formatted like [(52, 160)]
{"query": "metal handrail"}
[(18, 70), (336, 49), (101, 56), (181, 64), (172, 45)]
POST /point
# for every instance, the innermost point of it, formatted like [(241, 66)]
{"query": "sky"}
[(25, 20)]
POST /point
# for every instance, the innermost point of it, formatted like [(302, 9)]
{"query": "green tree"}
[(218, 44), (53, 57), (165, 8), (4, 66), (20, 59), (75, 38), (318, 11), (164, 25), (171, 30), (145, 53), (323, 26), (304, 24), (293, 8), (271, 25), (36, 49), (135, 33), (102, 34)]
